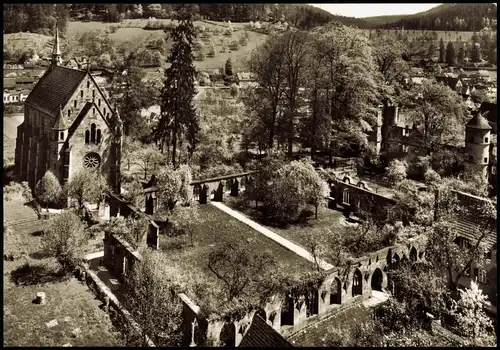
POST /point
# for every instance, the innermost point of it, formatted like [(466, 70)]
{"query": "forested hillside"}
[(450, 17), (40, 18)]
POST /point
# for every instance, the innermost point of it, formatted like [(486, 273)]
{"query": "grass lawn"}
[(216, 229), (70, 303), (327, 219), (24, 322)]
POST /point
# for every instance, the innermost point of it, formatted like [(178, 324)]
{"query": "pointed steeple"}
[(56, 51), (60, 123)]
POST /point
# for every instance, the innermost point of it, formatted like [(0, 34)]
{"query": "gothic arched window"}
[(98, 136), (61, 135), (81, 94), (87, 136), (92, 133)]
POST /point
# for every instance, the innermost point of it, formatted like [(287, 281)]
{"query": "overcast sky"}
[(370, 10)]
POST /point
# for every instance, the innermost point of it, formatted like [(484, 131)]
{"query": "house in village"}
[(246, 80), (68, 125)]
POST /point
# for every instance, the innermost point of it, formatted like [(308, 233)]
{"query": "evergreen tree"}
[(229, 67), (450, 53), (476, 53), (461, 54), (178, 115), (442, 51)]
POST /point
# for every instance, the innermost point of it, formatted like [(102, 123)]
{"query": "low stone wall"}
[(106, 296), (118, 206), (119, 256)]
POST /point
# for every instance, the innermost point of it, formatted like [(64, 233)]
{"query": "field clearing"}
[(18, 41), (446, 35)]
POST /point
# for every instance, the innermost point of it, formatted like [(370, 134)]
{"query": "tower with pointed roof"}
[(56, 50), (477, 144)]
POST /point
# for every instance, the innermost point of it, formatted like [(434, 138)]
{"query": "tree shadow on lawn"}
[(30, 275)]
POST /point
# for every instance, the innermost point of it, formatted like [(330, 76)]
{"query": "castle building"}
[(477, 144), (69, 125), (396, 137)]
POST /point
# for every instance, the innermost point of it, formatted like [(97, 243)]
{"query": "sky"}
[(370, 10)]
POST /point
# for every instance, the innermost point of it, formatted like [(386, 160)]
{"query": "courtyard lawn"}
[(327, 219), (216, 229), (70, 303)]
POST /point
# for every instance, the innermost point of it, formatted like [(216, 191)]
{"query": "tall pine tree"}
[(450, 53), (442, 51), (476, 53), (461, 54), (178, 118)]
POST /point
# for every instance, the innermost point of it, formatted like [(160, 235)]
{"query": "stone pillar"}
[(219, 193), (203, 194), (40, 298), (324, 301), (235, 188), (299, 311)]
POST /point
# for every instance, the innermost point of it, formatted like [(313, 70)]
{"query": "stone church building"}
[(69, 125)]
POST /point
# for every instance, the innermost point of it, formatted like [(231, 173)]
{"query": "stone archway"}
[(336, 292), (395, 261), (228, 335), (377, 279), (357, 283), (219, 192), (287, 311), (313, 303), (413, 254)]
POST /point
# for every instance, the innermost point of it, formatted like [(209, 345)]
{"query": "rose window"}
[(91, 161)]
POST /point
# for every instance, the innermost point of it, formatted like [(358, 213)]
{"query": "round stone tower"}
[(477, 145)]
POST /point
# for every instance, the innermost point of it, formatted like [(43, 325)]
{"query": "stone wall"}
[(120, 207), (351, 195), (119, 256), (111, 302)]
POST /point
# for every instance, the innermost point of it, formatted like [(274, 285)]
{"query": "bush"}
[(65, 239), (11, 190), (396, 172), (234, 46)]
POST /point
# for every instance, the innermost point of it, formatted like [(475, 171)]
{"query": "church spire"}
[(56, 52)]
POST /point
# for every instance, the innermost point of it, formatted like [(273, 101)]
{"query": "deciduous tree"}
[(65, 239), (240, 270), (438, 113), (132, 229), (149, 296), (86, 186), (471, 317), (48, 189)]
